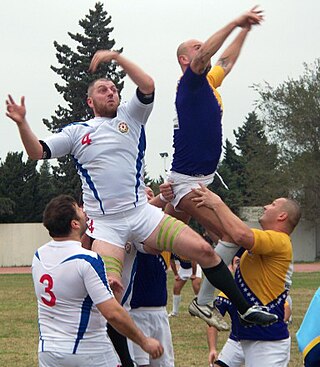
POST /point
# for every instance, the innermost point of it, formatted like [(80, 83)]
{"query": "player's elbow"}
[(243, 238), (112, 317), (148, 85), (34, 156), (34, 151)]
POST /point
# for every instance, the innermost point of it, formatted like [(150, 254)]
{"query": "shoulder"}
[(78, 125), (270, 234), (269, 240)]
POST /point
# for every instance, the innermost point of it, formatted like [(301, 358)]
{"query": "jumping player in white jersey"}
[(71, 287), (109, 151)]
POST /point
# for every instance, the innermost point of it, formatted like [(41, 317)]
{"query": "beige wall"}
[(18, 242)]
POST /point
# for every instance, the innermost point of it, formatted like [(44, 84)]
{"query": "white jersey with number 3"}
[(109, 157), (69, 281)]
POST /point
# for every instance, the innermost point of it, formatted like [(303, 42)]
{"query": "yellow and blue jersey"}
[(198, 132), (223, 304), (262, 277)]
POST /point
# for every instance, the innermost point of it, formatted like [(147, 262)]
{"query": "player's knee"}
[(205, 253)]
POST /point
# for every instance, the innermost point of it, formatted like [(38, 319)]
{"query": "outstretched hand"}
[(253, 17), (101, 56), (205, 197), (14, 111)]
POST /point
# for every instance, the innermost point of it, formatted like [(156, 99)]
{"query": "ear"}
[(89, 102), (74, 224), (282, 216), (183, 60)]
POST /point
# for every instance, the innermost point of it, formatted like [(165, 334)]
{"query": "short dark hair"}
[(91, 85), (58, 214), (294, 212)]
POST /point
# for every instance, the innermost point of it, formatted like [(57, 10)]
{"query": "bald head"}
[(282, 214), (181, 50), (187, 50)]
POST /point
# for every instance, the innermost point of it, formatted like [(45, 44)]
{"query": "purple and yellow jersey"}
[(198, 131), (262, 277)]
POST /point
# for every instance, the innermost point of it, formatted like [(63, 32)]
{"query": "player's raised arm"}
[(232, 52), (213, 44), (17, 113), (144, 82)]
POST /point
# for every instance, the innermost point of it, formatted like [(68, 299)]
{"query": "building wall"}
[(18, 242)]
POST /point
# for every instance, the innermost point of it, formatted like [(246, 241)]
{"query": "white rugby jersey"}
[(109, 157), (69, 281)]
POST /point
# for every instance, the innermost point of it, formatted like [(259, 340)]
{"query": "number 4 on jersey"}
[(86, 139)]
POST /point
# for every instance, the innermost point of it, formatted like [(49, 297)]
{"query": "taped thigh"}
[(170, 228)]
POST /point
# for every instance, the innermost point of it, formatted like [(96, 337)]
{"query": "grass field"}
[(19, 330)]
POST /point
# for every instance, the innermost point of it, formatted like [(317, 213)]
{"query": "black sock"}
[(121, 346), (220, 277)]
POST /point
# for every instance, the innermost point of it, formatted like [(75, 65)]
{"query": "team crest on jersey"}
[(123, 127)]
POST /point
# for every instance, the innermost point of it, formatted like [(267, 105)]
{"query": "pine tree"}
[(18, 187), (231, 171), (76, 77), (261, 174), (46, 189)]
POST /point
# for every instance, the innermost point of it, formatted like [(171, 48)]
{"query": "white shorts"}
[(266, 353), (183, 184), (55, 359), (134, 225), (185, 274), (153, 321), (232, 354)]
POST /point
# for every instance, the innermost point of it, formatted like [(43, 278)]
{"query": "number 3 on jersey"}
[(47, 280), (86, 139)]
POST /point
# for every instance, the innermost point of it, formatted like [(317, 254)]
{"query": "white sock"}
[(226, 250), (176, 304)]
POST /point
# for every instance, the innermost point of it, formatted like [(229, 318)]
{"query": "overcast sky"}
[(149, 31)]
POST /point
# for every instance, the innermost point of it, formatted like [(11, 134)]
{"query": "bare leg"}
[(173, 235), (189, 244), (105, 249), (196, 283)]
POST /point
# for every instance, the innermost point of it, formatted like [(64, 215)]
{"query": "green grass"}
[(19, 329)]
